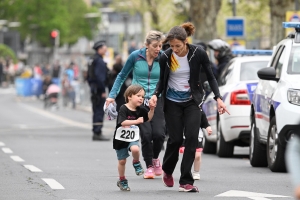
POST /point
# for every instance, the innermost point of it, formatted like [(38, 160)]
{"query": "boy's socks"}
[(122, 178), (135, 161)]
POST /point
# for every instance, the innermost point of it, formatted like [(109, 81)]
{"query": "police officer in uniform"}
[(97, 75)]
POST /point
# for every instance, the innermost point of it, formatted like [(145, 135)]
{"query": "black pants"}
[(153, 135), (181, 118), (98, 113)]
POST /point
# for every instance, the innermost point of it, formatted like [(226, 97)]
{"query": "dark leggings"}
[(181, 118), (153, 135)]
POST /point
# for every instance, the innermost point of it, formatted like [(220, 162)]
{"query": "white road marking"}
[(57, 118), (7, 150), (249, 195), (53, 184), (17, 158), (32, 168), (2, 144)]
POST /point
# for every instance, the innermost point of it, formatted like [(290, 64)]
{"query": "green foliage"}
[(6, 52), (38, 18), (164, 13), (255, 12)]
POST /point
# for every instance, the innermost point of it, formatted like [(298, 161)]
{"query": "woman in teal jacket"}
[(146, 72)]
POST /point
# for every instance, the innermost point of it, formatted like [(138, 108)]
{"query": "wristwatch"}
[(218, 96)]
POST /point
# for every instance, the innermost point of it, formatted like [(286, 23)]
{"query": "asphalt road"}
[(49, 154)]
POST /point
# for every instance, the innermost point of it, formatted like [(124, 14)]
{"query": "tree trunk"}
[(203, 15), (278, 10), (153, 10)]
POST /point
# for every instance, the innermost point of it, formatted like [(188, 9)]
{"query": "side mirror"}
[(267, 73)]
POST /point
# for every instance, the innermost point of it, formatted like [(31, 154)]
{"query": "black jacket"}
[(197, 57), (97, 74)]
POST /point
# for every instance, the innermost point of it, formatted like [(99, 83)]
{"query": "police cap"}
[(99, 44)]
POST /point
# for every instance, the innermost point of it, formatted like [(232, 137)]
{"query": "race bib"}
[(128, 134)]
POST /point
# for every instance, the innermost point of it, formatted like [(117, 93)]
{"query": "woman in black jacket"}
[(183, 95)]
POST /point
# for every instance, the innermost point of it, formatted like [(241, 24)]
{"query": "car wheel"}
[(257, 151), (208, 147), (224, 149), (275, 151)]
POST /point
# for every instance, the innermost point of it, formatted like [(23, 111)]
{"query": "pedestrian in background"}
[(97, 75), (145, 67), (293, 162), (1, 71), (116, 69), (182, 96), (130, 118), (222, 54)]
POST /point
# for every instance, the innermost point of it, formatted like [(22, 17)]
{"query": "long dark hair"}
[(180, 32)]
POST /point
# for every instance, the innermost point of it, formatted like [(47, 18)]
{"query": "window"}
[(249, 70), (227, 69), (294, 61), (279, 64)]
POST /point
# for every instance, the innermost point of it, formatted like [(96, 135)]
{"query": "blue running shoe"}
[(123, 185), (138, 168)]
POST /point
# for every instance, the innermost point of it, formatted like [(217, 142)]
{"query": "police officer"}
[(97, 75)]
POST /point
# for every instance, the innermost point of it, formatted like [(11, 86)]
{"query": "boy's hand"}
[(152, 107), (209, 130), (140, 120)]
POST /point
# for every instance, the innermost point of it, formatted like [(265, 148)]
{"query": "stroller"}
[(51, 96)]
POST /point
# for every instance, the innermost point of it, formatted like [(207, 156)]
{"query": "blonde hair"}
[(154, 36)]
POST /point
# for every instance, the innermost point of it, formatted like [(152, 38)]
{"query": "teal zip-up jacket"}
[(142, 74)]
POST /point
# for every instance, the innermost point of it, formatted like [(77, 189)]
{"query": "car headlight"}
[(293, 96)]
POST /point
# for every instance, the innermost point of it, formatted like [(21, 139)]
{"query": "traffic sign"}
[(235, 27)]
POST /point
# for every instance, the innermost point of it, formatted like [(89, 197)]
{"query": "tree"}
[(164, 14), (204, 15), (38, 18), (278, 11)]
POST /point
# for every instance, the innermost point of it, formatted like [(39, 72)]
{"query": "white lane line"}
[(32, 168), (17, 159), (53, 184), (2, 144), (7, 150)]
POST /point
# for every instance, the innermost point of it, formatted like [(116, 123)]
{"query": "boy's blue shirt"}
[(142, 75)]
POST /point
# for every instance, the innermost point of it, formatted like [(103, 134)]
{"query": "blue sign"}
[(235, 27)]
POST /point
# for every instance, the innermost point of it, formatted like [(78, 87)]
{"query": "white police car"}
[(275, 108), (237, 82)]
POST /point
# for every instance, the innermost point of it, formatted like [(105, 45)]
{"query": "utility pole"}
[(233, 8)]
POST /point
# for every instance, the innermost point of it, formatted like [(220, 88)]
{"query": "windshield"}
[(249, 70), (294, 61)]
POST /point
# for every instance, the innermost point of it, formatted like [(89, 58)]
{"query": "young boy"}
[(126, 137), (197, 161)]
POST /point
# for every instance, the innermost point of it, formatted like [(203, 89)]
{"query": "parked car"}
[(237, 82), (275, 108)]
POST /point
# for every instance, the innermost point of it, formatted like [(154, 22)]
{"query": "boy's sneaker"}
[(196, 175), (157, 167), (123, 185), (188, 188), (138, 168), (181, 149), (149, 174), (168, 180)]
